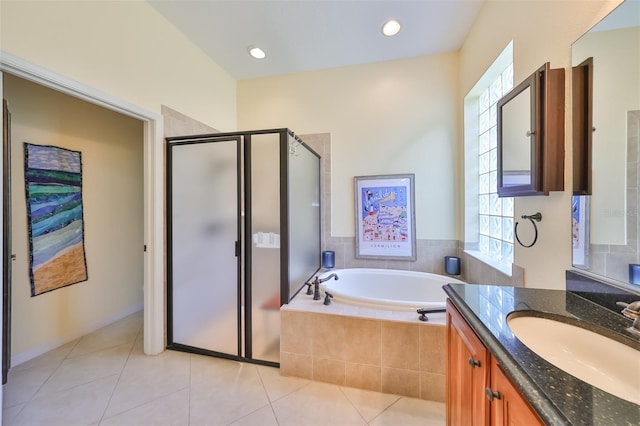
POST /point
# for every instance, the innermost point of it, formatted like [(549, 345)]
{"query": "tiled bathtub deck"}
[(383, 351)]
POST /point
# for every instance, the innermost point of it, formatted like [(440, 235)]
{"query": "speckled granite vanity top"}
[(558, 397)]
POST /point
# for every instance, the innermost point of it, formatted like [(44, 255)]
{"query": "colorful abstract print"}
[(53, 178)]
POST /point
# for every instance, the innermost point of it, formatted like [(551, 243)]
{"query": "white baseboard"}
[(25, 356)]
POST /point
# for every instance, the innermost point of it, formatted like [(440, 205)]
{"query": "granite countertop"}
[(557, 397)]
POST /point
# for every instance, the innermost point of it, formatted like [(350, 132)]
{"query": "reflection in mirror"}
[(516, 137), (582, 108), (611, 238)]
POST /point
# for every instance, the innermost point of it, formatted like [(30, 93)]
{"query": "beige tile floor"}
[(105, 379)]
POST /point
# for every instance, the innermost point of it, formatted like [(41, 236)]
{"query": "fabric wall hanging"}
[(53, 184)]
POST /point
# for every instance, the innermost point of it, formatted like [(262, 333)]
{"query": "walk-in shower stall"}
[(243, 235)]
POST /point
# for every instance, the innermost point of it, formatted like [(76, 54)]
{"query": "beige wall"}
[(111, 146), (542, 31), (123, 48), (384, 118), (392, 117), (405, 117)]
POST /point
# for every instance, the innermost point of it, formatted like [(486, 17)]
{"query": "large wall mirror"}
[(606, 236)]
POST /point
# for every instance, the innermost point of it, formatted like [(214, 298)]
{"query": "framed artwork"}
[(53, 184), (385, 217), (580, 230)]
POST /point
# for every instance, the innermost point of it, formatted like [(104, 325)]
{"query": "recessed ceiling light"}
[(256, 52), (391, 28)]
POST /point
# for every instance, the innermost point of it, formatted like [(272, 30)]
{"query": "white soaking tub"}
[(387, 288)]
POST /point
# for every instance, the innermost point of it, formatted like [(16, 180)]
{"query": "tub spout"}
[(424, 311), (316, 284), (321, 280)]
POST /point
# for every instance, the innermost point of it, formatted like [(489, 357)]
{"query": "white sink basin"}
[(598, 360)]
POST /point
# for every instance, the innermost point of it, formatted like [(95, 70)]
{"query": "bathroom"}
[(400, 116)]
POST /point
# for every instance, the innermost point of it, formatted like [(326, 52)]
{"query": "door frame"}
[(153, 186), (5, 123)]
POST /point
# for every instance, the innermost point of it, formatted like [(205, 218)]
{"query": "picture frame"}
[(385, 217), (580, 230)]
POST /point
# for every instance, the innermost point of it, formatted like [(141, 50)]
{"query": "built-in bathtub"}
[(387, 288), (369, 340)]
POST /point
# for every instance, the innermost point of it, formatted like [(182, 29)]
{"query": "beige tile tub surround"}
[(383, 351)]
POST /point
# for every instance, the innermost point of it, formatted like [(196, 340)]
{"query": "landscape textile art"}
[(53, 185)]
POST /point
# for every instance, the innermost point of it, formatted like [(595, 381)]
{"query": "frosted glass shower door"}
[(203, 237), (263, 275)]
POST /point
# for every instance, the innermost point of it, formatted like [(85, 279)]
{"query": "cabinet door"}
[(508, 406), (467, 373)]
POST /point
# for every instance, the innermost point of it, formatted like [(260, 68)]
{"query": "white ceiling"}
[(624, 16), (305, 35)]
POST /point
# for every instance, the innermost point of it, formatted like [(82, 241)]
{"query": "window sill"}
[(505, 268)]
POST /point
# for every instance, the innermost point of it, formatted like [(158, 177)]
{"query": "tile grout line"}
[(66, 357), (33, 397), (386, 409), (147, 402), (124, 365), (352, 405), (144, 403), (267, 394), (15, 416)]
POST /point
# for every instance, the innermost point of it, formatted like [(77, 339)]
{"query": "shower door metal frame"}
[(244, 242), (178, 141)]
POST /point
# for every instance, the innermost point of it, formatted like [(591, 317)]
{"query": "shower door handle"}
[(237, 248)]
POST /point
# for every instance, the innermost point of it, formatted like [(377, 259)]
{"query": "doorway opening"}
[(152, 223)]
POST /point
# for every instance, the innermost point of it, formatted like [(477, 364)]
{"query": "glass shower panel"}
[(204, 231), (304, 214), (265, 248)]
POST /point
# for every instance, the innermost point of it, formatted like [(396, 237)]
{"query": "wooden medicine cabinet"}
[(530, 121)]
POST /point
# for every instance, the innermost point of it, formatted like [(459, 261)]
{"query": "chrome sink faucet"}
[(317, 282), (632, 310)]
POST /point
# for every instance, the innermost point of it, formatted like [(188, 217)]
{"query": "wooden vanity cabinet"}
[(510, 408), (467, 373), (478, 392)]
